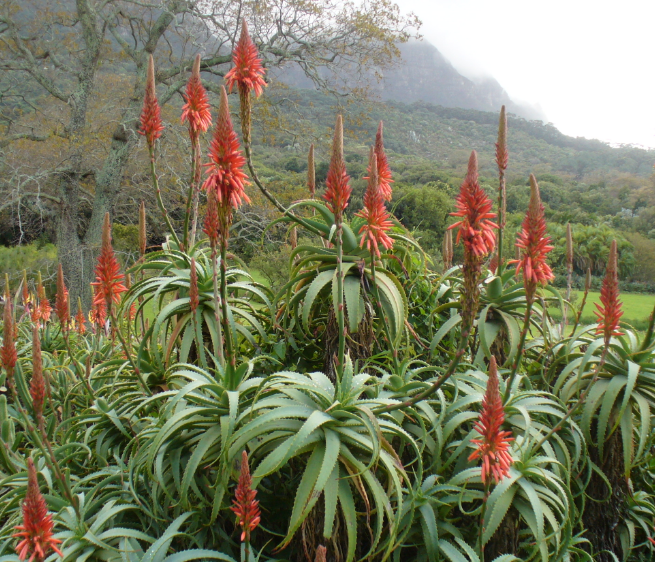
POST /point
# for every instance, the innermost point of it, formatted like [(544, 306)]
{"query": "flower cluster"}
[(196, 109), (609, 310), (248, 72), (474, 208), (246, 507), (534, 243), (36, 535), (384, 170), (337, 183), (493, 448), (109, 280), (151, 124), (374, 230)]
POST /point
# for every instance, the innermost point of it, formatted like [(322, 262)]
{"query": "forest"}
[(247, 322)]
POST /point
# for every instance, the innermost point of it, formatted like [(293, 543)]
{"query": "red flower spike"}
[(44, 304), (98, 312), (36, 530), (211, 227), (534, 243), (493, 448), (196, 110), (194, 299), (8, 354), (151, 124), (80, 320), (609, 310), (384, 171), (226, 177), (61, 303), (109, 280), (338, 189), (311, 172), (502, 156), (35, 312), (248, 72), (37, 382), (374, 231), (245, 505), (474, 208)]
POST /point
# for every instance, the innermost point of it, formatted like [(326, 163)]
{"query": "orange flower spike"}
[(151, 124), (80, 320), (37, 382), (609, 310), (194, 299), (36, 535), (245, 505), (196, 110), (8, 354), (225, 170), (109, 283), (374, 231), (248, 72), (44, 304), (61, 303), (384, 171), (502, 155), (98, 312), (534, 243), (338, 189), (493, 447), (474, 208)]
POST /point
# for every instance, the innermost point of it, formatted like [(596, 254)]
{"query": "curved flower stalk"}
[(493, 447), (502, 159), (37, 382), (476, 231), (247, 74), (8, 354), (36, 532), (374, 230), (196, 111), (609, 310), (61, 303), (151, 128)]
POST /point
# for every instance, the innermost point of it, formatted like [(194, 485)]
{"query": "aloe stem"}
[(160, 202), (519, 351), (340, 313), (218, 345), (128, 352), (229, 342)]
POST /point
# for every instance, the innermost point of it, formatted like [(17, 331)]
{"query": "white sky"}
[(589, 64)]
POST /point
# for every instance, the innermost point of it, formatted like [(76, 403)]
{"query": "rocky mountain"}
[(424, 74)]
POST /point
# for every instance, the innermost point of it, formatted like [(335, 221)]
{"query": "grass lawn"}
[(636, 308)]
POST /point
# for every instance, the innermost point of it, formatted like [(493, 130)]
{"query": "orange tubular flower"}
[(37, 382), (194, 299), (474, 208), (98, 312), (61, 303), (534, 243), (609, 310), (245, 505), (36, 530), (493, 448), (248, 72), (8, 354), (384, 171), (151, 124), (196, 109), (338, 189), (226, 177), (374, 231), (109, 280)]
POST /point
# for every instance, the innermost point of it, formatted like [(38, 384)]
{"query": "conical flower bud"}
[(609, 310), (502, 156), (61, 303), (37, 382), (196, 109), (151, 124), (493, 447), (36, 535), (338, 189), (246, 506), (311, 172)]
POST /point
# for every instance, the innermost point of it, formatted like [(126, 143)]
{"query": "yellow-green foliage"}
[(31, 257)]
